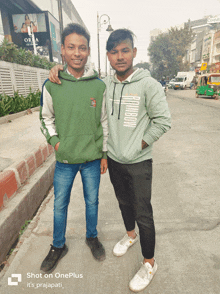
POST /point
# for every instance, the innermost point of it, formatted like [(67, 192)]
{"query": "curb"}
[(8, 118), (24, 205), (13, 177), (27, 233)]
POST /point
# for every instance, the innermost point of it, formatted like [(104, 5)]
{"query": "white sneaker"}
[(122, 246), (143, 277)]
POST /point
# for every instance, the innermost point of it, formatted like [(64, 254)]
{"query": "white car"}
[(171, 83)]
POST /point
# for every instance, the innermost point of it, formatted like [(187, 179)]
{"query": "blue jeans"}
[(63, 181)]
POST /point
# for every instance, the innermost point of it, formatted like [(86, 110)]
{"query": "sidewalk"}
[(26, 174), (19, 138), (187, 243)]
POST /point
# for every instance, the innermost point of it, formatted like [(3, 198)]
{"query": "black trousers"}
[(132, 184)]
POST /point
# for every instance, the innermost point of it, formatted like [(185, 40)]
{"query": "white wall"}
[(16, 77)]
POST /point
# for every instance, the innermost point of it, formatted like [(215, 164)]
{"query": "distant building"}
[(43, 18), (216, 47), (203, 49), (205, 46)]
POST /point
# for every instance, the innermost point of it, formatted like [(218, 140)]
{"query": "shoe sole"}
[(61, 256), (136, 291), (118, 254)]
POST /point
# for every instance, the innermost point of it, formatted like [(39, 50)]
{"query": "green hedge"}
[(11, 53), (10, 105)]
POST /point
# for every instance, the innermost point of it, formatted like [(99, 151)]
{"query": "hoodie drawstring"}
[(113, 100), (119, 111)]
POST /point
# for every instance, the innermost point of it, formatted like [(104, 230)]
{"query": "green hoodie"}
[(137, 110), (73, 114)]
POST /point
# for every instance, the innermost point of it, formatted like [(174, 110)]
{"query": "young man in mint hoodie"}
[(138, 115), (74, 121)]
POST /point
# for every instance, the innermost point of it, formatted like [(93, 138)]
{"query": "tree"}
[(144, 65), (167, 51)]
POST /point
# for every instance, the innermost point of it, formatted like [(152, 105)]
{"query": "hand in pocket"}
[(57, 146), (144, 144)]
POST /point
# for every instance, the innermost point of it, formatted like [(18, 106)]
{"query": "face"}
[(75, 51), (121, 58)]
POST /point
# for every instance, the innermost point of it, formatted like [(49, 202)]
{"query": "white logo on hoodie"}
[(131, 110)]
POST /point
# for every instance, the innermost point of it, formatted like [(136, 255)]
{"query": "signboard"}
[(46, 32), (215, 19), (203, 66), (215, 68), (36, 22), (217, 37), (54, 27)]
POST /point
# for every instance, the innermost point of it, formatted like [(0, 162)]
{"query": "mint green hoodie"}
[(137, 110)]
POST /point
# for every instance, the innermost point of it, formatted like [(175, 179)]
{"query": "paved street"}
[(186, 204)]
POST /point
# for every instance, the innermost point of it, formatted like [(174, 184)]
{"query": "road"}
[(186, 190), (191, 150), (186, 210)]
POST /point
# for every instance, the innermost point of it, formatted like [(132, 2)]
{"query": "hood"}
[(88, 75), (139, 74)]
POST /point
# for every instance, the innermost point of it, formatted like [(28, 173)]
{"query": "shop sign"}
[(215, 19), (215, 67)]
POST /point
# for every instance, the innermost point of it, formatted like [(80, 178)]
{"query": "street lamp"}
[(109, 29)]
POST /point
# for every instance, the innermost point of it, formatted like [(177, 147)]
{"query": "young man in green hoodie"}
[(74, 121), (138, 115)]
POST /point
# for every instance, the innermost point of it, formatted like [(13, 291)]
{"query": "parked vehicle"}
[(171, 83), (183, 80), (208, 85)]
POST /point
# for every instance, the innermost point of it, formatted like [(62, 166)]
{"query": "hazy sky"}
[(140, 16)]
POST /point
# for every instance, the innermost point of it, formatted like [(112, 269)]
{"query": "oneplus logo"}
[(15, 283)]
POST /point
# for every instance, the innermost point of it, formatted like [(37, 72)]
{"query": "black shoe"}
[(98, 251), (51, 260)]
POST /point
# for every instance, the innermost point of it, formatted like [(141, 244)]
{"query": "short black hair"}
[(118, 36), (72, 28)]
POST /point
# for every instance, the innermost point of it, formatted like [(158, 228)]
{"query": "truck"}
[(183, 80)]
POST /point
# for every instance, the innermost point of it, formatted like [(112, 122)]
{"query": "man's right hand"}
[(53, 75), (57, 146)]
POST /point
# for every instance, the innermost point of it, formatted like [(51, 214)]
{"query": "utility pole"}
[(61, 22), (60, 16)]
